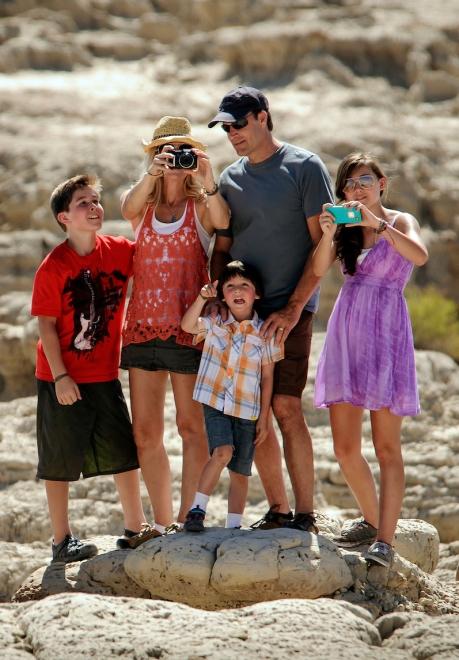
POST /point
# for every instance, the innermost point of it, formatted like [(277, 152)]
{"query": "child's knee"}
[(222, 454)]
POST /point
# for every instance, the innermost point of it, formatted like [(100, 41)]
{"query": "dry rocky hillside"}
[(81, 83)]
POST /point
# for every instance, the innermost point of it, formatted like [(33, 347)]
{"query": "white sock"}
[(160, 528), (179, 524), (200, 500), (233, 520)]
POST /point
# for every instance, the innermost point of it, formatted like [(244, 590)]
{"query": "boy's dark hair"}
[(242, 269), (62, 195)]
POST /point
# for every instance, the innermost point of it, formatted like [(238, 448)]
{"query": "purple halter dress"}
[(368, 355)]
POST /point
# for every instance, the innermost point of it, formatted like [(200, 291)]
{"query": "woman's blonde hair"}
[(190, 187)]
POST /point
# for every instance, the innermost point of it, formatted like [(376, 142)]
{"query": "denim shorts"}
[(161, 355), (93, 436), (227, 430)]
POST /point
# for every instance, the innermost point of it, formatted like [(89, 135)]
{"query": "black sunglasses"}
[(237, 125)]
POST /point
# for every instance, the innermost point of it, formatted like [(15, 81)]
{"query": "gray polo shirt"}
[(269, 204)]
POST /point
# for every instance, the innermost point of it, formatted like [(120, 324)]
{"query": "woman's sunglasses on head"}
[(237, 125), (364, 181)]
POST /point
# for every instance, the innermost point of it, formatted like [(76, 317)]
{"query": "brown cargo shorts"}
[(291, 373)]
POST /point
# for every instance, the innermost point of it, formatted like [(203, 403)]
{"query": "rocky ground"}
[(81, 84)]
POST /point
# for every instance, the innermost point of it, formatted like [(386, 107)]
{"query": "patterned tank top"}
[(169, 271)]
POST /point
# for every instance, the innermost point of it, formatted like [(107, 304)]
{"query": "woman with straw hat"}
[(173, 211)]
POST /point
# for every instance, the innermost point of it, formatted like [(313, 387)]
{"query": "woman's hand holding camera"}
[(203, 174), (161, 161)]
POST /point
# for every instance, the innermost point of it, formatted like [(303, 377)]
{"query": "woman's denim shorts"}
[(161, 355), (227, 430)]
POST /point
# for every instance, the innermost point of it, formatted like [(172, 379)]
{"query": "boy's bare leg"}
[(268, 460), (220, 458), (57, 493), (191, 428), (237, 497), (128, 487), (148, 394)]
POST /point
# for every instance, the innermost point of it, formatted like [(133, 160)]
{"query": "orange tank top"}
[(169, 271)]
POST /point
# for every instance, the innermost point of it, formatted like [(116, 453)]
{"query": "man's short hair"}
[(63, 193), (238, 103), (245, 270)]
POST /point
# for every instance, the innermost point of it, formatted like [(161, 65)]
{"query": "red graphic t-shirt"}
[(86, 295)]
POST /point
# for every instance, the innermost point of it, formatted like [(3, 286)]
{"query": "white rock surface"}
[(104, 627), (223, 568)]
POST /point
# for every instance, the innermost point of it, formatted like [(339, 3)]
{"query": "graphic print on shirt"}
[(94, 300)]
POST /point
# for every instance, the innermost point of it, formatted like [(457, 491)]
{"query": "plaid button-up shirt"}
[(230, 370)]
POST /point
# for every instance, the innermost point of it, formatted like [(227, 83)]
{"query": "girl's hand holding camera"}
[(327, 222), (368, 219)]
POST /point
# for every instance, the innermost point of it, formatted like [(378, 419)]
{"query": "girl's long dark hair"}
[(349, 241)]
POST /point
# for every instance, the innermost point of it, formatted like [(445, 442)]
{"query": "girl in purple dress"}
[(367, 361)]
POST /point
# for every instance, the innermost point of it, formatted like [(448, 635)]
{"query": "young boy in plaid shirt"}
[(234, 384)]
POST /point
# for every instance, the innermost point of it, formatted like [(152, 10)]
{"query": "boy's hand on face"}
[(67, 391)]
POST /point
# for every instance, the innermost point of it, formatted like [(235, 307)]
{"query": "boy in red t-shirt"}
[(83, 425)]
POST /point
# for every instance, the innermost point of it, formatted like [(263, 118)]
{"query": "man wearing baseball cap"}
[(275, 192)]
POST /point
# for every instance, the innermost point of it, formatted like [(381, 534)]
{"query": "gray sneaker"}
[(356, 533), (72, 549), (380, 553)]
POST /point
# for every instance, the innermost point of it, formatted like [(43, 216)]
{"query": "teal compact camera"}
[(344, 215)]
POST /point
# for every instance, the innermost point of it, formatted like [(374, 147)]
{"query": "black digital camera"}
[(183, 159)]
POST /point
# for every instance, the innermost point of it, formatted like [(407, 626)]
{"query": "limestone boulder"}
[(223, 568), (420, 637), (93, 626), (17, 562), (114, 44), (103, 574), (418, 542)]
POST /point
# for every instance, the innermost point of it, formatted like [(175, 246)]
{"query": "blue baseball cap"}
[(238, 103)]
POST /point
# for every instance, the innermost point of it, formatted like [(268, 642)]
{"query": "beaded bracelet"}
[(60, 377)]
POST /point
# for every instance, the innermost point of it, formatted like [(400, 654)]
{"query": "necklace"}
[(172, 210)]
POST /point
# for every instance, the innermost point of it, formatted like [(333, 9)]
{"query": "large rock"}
[(103, 627), (104, 575), (227, 568), (417, 635), (17, 562)]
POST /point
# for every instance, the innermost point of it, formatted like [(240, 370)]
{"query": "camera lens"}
[(186, 159)]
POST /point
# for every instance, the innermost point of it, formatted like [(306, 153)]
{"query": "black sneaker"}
[(131, 540), (306, 522), (194, 521), (72, 549), (273, 519)]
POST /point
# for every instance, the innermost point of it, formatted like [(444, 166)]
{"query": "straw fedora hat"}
[(171, 129)]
